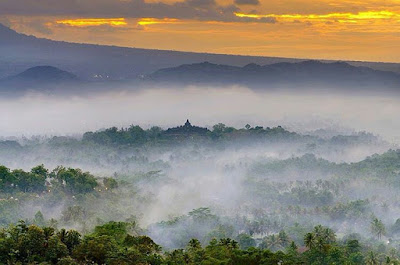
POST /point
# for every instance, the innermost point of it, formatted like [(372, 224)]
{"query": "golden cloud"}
[(88, 22), (341, 17), (152, 21)]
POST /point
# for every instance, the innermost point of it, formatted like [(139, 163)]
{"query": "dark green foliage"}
[(246, 241), (19, 180), (75, 180), (117, 230), (96, 249), (6, 178), (133, 135), (70, 238), (112, 244), (72, 180)]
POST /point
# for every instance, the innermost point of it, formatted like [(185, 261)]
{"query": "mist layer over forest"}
[(49, 114), (261, 168)]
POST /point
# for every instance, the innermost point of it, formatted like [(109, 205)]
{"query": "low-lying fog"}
[(35, 114), (254, 181)]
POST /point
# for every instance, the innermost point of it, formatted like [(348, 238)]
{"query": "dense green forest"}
[(189, 195), (118, 243)]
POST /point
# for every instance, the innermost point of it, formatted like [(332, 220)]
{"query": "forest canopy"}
[(192, 195)]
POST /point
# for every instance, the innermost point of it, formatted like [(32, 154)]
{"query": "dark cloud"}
[(201, 3), (247, 2), (206, 9), (270, 20), (188, 9)]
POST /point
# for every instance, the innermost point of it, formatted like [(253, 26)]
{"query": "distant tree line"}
[(137, 136), (39, 180)]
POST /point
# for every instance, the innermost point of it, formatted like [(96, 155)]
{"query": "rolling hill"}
[(39, 78), (43, 74)]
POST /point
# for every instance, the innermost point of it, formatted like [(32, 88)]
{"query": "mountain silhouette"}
[(103, 63), (39, 78), (306, 73), (44, 74)]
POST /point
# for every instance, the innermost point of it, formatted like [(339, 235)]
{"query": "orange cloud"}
[(88, 22), (341, 17), (152, 21)]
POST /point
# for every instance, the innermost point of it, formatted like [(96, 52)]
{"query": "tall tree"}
[(378, 228)]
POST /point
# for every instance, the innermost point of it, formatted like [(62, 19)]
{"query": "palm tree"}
[(321, 238), (378, 228), (62, 234), (309, 240), (273, 242), (324, 236), (283, 238), (194, 244), (227, 242)]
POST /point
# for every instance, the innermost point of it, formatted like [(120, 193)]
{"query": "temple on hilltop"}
[(187, 130)]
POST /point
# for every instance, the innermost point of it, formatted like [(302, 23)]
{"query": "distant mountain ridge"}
[(96, 62), (306, 74), (39, 78), (303, 73)]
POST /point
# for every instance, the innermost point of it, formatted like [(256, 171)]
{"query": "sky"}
[(366, 30)]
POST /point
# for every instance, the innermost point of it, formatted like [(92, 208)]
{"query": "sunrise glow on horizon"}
[(341, 30)]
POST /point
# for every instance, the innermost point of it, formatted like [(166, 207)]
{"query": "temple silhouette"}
[(187, 130)]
